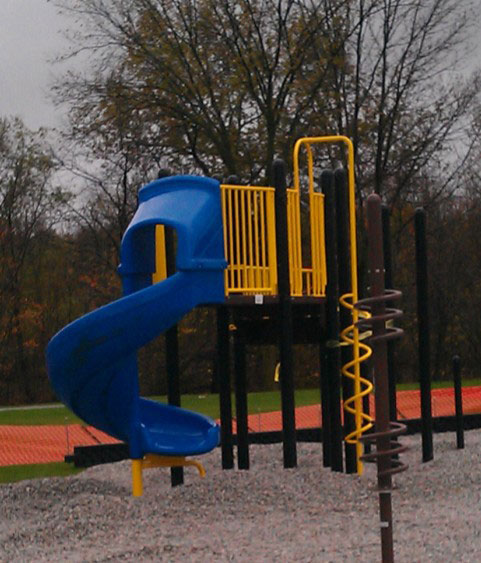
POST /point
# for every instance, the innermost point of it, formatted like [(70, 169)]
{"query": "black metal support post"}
[(332, 321), (423, 333), (172, 354), (324, 390), (241, 402), (344, 267), (388, 280), (285, 318), (458, 402), (223, 374)]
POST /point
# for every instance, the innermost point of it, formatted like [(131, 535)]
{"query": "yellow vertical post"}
[(160, 257), (224, 225), (271, 242), (137, 486)]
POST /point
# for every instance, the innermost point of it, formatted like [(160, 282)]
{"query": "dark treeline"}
[(219, 88)]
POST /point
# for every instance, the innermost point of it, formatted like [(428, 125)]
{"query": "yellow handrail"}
[(351, 334)]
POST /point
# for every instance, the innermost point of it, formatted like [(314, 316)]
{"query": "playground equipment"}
[(92, 361), (254, 272), (252, 234)]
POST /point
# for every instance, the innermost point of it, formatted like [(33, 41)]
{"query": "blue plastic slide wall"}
[(92, 362)]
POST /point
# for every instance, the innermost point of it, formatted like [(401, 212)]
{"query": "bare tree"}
[(29, 206), (408, 102), (219, 86)]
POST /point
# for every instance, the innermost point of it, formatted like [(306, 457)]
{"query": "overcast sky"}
[(29, 36)]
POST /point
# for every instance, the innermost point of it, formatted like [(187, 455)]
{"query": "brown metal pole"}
[(379, 348), (386, 431)]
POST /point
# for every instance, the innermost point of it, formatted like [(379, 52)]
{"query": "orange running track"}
[(44, 444)]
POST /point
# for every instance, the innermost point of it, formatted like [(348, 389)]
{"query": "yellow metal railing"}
[(317, 278), (249, 239), (350, 335), (248, 216), (250, 242), (294, 242)]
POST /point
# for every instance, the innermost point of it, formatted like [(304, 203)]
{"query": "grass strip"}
[(14, 473), (38, 416), (204, 404)]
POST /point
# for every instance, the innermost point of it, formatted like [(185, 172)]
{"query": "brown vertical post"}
[(378, 344)]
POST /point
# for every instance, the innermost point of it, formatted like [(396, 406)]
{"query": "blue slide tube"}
[(92, 362)]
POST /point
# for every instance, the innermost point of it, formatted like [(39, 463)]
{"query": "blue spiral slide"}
[(92, 362)]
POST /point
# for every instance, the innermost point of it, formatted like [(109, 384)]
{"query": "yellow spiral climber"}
[(362, 387)]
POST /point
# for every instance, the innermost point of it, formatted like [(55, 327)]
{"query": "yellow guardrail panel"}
[(249, 239)]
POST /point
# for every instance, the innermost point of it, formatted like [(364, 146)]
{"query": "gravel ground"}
[(265, 514)]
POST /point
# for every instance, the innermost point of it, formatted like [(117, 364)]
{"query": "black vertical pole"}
[(324, 389), (239, 385), (458, 402), (423, 333), (332, 320), (172, 353), (285, 318), (241, 402), (391, 365), (223, 374), (344, 266)]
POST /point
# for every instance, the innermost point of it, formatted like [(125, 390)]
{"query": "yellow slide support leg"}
[(137, 485), (152, 460)]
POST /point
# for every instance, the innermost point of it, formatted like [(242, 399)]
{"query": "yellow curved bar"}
[(352, 196), (310, 168), (153, 460)]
